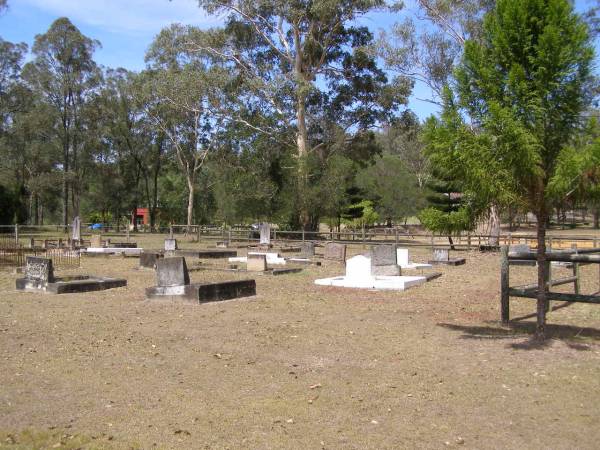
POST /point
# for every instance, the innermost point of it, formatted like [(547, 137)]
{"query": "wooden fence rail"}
[(530, 290)]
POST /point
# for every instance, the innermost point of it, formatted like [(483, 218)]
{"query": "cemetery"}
[(299, 225)]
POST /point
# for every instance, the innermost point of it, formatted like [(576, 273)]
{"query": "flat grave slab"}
[(449, 262), (39, 277), (206, 254), (113, 251), (359, 276)]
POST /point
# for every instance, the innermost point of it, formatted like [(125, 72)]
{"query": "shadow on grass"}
[(570, 335)]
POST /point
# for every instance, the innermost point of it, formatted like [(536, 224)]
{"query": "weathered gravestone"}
[(335, 251), (173, 282), (76, 229), (39, 276), (441, 254), (256, 263), (265, 233), (307, 249), (148, 260), (39, 269), (172, 272), (96, 241), (170, 245), (384, 260)]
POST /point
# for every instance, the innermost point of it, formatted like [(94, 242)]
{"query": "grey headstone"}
[(256, 263), (441, 254), (148, 260), (172, 272), (384, 255), (170, 245), (307, 249), (385, 270), (39, 269), (335, 251), (519, 248), (265, 233), (76, 229), (31, 243)]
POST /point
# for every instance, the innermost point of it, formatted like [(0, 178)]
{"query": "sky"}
[(126, 28)]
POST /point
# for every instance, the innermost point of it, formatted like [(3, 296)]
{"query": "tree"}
[(295, 58), (190, 91), (64, 74), (523, 87)]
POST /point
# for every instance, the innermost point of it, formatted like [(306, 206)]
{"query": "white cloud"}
[(129, 16)]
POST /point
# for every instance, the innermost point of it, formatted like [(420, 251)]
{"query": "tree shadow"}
[(569, 334)]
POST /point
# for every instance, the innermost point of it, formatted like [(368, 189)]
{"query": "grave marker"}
[(307, 249), (441, 254), (96, 241), (256, 263), (335, 251), (39, 269), (76, 229), (170, 245), (265, 233), (172, 272), (384, 260)]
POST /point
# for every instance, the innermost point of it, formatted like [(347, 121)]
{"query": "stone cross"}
[(172, 272), (39, 269)]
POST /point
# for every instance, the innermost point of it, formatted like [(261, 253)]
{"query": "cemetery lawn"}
[(297, 366)]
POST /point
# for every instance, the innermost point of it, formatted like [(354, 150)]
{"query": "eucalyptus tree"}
[(302, 62), (64, 74), (523, 86), (188, 91)]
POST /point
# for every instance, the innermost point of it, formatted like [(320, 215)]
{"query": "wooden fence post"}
[(504, 285), (16, 233), (576, 273)]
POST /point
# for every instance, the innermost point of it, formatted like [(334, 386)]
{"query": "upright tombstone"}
[(441, 254), (335, 251), (172, 272), (170, 245), (307, 249), (521, 248), (96, 241), (76, 229), (384, 260), (173, 283), (265, 233), (402, 257), (39, 269), (256, 262), (39, 276), (148, 260), (31, 243)]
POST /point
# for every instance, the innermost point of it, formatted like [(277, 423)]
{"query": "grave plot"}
[(39, 277), (361, 274), (173, 283), (258, 262), (442, 256)]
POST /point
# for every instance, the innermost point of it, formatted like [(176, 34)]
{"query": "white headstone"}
[(265, 233), (402, 256), (358, 267), (76, 229)]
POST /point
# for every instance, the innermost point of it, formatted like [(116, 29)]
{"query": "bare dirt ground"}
[(298, 366)]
